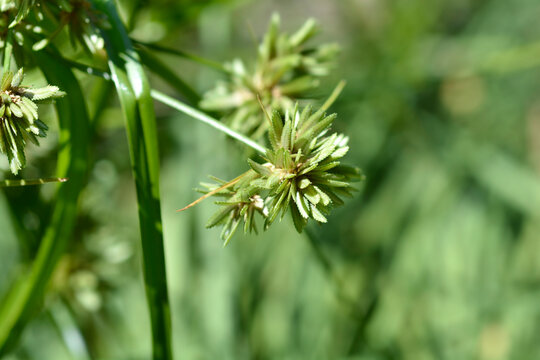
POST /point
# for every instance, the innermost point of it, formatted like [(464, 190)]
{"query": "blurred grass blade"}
[(87, 69), (137, 105), (99, 99), (209, 63), (63, 321), (170, 77), (26, 295), (495, 170), (27, 182)]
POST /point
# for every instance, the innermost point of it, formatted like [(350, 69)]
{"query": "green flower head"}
[(286, 70), (302, 173), (19, 122)]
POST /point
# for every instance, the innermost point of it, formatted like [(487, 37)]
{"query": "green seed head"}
[(286, 70), (19, 122), (302, 173)]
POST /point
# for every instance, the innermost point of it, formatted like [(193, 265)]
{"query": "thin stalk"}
[(27, 182), (199, 115), (334, 95), (200, 60), (133, 91)]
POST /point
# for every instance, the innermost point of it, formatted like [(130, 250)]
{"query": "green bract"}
[(19, 121), (286, 70), (302, 172)]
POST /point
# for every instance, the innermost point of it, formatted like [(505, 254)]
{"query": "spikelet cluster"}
[(302, 174), (19, 121), (44, 20), (81, 21), (286, 70)]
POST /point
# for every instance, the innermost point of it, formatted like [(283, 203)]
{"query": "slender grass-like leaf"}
[(183, 54), (170, 77), (100, 96), (24, 298), (137, 105)]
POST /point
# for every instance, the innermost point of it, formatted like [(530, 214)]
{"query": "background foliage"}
[(435, 258)]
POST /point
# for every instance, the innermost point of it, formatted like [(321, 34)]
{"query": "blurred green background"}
[(436, 257)]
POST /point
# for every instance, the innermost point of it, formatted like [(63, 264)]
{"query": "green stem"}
[(26, 182), (199, 115), (334, 95), (134, 93)]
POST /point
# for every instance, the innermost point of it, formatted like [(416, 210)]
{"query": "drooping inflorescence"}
[(19, 122), (301, 173), (286, 70)]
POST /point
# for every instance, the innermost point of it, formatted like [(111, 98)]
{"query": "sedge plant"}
[(269, 107)]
